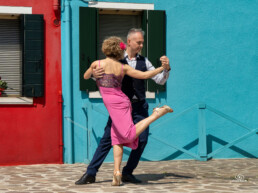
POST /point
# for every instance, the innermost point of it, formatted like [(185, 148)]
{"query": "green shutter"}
[(144, 28), (88, 44), (32, 38), (144, 49), (156, 43)]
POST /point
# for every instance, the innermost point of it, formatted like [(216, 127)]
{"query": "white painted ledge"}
[(118, 5), (150, 95), (97, 95), (15, 10), (16, 101)]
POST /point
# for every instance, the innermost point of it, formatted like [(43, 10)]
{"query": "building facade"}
[(30, 63), (51, 115)]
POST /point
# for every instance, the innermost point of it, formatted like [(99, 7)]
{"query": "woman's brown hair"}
[(111, 47)]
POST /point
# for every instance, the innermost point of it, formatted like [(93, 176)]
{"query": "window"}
[(22, 54), (96, 23), (11, 54), (118, 23)]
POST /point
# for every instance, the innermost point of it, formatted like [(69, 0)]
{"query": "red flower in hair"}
[(122, 46)]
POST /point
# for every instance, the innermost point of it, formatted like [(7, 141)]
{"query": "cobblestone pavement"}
[(231, 175)]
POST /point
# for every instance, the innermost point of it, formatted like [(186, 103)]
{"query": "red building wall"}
[(32, 134)]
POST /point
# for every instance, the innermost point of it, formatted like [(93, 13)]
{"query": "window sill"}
[(96, 94), (16, 101)]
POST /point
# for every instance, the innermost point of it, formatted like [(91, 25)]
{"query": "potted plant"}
[(3, 86)]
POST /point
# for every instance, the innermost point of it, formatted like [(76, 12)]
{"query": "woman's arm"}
[(88, 72), (141, 75)]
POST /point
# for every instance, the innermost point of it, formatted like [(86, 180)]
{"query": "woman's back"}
[(111, 66), (113, 73)]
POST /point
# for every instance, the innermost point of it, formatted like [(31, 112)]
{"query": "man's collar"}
[(126, 55)]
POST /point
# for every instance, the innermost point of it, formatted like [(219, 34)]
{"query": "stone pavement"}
[(227, 176)]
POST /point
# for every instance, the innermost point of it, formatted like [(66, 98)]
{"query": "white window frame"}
[(15, 10), (126, 6), (121, 6)]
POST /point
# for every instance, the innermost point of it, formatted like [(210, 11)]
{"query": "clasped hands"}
[(165, 62)]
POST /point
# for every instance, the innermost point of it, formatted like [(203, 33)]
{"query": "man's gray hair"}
[(135, 30)]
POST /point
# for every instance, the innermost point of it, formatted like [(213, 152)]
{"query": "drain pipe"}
[(68, 84)]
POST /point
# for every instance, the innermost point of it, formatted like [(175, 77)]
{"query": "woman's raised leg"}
[(157, 113)]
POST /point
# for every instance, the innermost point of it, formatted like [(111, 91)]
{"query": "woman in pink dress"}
[(123, 131)]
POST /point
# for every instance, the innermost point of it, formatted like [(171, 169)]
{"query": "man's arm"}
[(163, 76)]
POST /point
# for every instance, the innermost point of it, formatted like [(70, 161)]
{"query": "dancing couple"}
[(120, 78)]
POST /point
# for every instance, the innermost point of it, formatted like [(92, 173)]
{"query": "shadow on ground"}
[(151, 178)]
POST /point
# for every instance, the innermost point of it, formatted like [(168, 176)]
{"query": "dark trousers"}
[(140, 112)]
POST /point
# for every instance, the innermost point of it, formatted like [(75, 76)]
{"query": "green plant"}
[(3, 84)]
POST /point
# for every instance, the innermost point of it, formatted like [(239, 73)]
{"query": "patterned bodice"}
[(110, 81)]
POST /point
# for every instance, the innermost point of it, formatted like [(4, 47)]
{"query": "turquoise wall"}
[(212, 46)]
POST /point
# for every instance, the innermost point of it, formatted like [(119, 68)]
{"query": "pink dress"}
[(119, 107)]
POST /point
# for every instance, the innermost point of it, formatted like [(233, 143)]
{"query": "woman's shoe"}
[(159, 111), (116, 179)]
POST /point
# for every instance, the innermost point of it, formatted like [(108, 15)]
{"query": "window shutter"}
[(88, 44), (156, 36), (32, 28), (144, 28), (145, 46)]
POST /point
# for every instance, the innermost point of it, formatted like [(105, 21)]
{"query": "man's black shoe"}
[(130, 178), (85, 179)]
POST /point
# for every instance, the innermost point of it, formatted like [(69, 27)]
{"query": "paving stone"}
[(190, 176)]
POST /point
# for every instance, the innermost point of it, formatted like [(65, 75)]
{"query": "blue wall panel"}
[(212, 46)]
